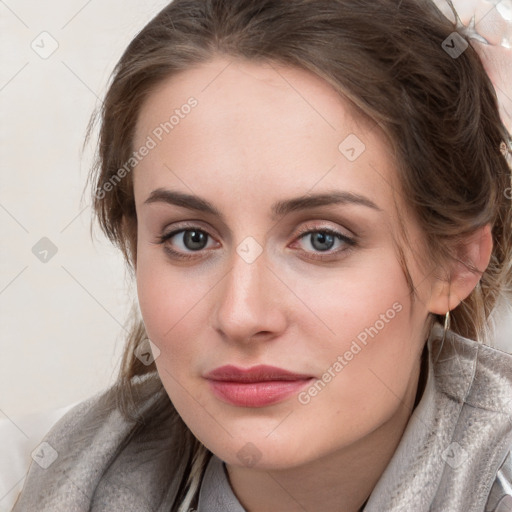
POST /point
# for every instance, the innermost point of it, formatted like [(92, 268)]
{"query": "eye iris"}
[(194, 240), (322, 238)]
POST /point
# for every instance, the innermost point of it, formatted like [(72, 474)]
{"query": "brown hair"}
[(439, 112)]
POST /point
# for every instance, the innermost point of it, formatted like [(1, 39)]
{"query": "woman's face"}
[(284, 213)]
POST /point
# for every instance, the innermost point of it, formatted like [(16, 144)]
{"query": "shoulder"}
[(474, 382), (473, 373), (95, 456)]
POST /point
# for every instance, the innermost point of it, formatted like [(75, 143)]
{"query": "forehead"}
[(261, 128)]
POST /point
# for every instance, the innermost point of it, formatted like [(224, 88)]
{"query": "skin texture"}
[(259, 134)]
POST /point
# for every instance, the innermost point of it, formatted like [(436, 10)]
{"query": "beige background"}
[(60, 324)]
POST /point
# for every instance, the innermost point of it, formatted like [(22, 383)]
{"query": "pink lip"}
[(254, 387)]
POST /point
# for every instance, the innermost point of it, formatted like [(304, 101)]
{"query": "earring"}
[(446, 322), (446, 328)]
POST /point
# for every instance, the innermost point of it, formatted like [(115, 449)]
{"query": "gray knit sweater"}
[(454, 455)]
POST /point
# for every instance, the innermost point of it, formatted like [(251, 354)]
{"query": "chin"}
[(263, 452)]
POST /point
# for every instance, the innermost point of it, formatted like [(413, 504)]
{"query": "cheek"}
[(366, 377), (154, 298), (174, 305), (163, 299), (353, 301), (166, 294), (369, 356), (174, 317)]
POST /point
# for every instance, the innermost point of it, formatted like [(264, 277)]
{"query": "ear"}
[(472, 256)]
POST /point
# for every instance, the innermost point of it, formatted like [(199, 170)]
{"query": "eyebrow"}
[(280, 208)]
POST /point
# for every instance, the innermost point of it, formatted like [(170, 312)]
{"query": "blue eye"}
[(322, 241)]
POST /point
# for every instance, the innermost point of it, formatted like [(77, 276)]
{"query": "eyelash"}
[(307, 230), (303, 232)]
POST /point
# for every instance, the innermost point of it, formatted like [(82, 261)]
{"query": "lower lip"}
[(256, 394)]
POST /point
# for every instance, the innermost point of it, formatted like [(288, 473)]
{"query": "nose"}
[(250, 302)]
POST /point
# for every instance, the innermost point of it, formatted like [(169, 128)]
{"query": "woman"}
[(312, 196)]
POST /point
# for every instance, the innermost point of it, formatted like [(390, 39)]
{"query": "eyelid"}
[(308, 228), (186, 226)]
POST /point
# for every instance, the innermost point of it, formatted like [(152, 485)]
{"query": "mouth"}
[(257, 386)]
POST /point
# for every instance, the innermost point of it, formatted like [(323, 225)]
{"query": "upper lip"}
[(254, 374)]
